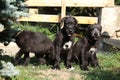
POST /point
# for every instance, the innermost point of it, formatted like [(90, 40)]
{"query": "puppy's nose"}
[(66, 46), (70, 30), (96, 34)]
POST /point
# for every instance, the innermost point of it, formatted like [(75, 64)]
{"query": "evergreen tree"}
[(10, 10), (117, 2)]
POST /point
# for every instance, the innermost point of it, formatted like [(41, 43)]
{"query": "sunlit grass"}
[(110, 70)]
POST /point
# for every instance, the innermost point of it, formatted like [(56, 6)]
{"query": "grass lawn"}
[(110, 70)]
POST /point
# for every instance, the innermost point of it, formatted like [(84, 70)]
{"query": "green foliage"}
[(117, 2), (45, 30), (87, 11)]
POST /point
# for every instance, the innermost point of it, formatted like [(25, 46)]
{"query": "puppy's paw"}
[(71, 69), (56, 67), (84, 68)]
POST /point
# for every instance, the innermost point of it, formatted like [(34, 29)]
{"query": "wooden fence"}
[(35, 4)]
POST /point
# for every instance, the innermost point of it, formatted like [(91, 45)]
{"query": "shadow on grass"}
[(34, 61), (102, 74), (6, 58)]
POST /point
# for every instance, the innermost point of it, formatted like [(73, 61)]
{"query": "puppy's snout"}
[(70, 30), (96, 34)]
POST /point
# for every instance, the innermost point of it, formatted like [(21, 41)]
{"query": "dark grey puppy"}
[(28, 41), (63, 42), (84, 50)]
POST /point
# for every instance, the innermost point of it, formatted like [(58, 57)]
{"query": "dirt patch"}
[(63, 74), (11, 49)]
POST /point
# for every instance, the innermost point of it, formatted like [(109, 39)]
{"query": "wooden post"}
[(63, 8), (99, 12)]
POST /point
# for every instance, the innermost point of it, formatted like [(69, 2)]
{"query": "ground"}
[(11, 49), (63, 74)]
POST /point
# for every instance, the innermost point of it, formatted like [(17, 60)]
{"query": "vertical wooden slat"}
[(63, 8), (99, 12)]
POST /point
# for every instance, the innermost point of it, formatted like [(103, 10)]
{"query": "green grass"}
[(110, 70)]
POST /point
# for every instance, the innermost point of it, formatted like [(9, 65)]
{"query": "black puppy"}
[(28, 41), (64, 40), (84, 50)]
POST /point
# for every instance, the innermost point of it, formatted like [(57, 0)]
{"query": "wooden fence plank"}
[(41, 18), (33, 10), (63, 4), (90, 3), (56, 19), (38, 3), (70, 3), (86, 20)]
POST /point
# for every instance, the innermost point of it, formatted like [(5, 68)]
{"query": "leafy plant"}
[(117, 2)]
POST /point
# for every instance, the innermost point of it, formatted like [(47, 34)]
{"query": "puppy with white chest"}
[(67, 45), (64, 42), (84, 50)]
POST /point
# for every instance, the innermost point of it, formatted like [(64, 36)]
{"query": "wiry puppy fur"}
[(63, 42), (84, 50)]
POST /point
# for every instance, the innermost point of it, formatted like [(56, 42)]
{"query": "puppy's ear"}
[(62, 22), (100, 28), (76, 22)]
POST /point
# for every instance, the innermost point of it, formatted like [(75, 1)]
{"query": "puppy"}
[(63, 42), (28, 41), (84, 50)]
